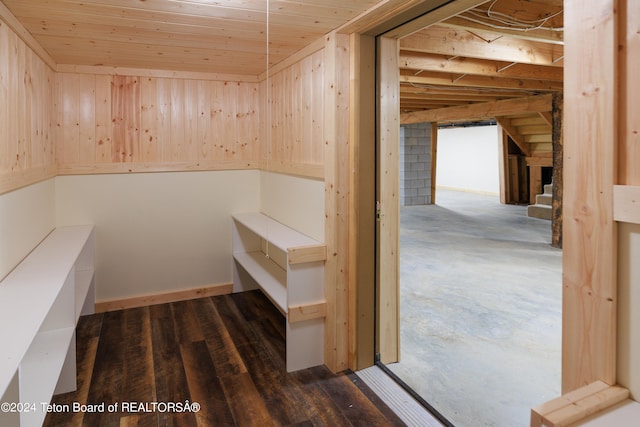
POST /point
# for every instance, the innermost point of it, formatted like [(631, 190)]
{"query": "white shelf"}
[(271, 278), (40, 369), (275, 232), (84, 277), (38, 303), (293, 281)]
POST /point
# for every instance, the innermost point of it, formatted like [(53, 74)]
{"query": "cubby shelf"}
[(40, 302), (288, 267)]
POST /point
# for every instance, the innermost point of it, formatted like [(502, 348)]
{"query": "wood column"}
[(556, 208), (589, 232), (388, 189)]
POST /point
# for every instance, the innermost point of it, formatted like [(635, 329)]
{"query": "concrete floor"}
[(480, 309)]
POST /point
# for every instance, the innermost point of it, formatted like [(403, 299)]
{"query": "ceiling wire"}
[(509, 22)]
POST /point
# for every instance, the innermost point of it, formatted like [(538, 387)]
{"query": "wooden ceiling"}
[(499, 50), (222, 36)]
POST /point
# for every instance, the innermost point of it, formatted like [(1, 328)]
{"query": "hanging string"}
[(267, 125)]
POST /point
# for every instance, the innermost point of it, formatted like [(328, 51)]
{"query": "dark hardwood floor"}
[(226, 353)]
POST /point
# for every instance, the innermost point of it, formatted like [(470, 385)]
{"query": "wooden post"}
[(362, 204), (336, 128), (535, 182), (503, 165), (388, 188), (589, 235), (434, 160), (556, 208)]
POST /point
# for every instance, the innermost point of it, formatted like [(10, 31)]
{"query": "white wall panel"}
[(27, 215), (158, 232)]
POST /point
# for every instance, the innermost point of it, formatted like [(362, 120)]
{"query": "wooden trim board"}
[(299, 313), (141, 301), (302, 254), (626, 203), (577, 405)]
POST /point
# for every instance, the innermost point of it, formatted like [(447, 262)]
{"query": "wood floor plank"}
[(225, 356), (138, 376), (170, 378), (106, 381), (204, 385), (356, 407), (246, 404), (226, 353), (187, 327)]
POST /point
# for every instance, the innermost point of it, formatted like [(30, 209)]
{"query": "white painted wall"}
[(628, 303), (27, 216), (468, 159), (158, 232), (295, 201)]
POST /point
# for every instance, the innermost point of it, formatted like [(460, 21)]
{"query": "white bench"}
[(40, 303), (289, 268)]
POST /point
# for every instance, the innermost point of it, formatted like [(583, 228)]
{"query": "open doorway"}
[(480, 290), (453, 71)]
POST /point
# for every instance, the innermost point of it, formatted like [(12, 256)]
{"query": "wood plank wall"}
[(295, 95), (27, 153), (114, 124)]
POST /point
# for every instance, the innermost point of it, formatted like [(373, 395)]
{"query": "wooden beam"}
[(388, 14), (484, 110), (537, 35), (447, 79), (445, 41), (474, 66), (544, 161), (436, 15), (547, 117), (512, 131)]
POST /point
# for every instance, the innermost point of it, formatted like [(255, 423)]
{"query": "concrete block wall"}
[(415, 164)]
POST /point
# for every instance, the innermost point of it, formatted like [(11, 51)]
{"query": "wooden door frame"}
[(590, 175)]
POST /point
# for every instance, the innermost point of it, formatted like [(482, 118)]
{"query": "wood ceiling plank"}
[(475, 66), (446, 41)]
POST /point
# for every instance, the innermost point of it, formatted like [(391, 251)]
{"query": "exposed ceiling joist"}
[(480, 45), (461, 65), (480, 111)]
